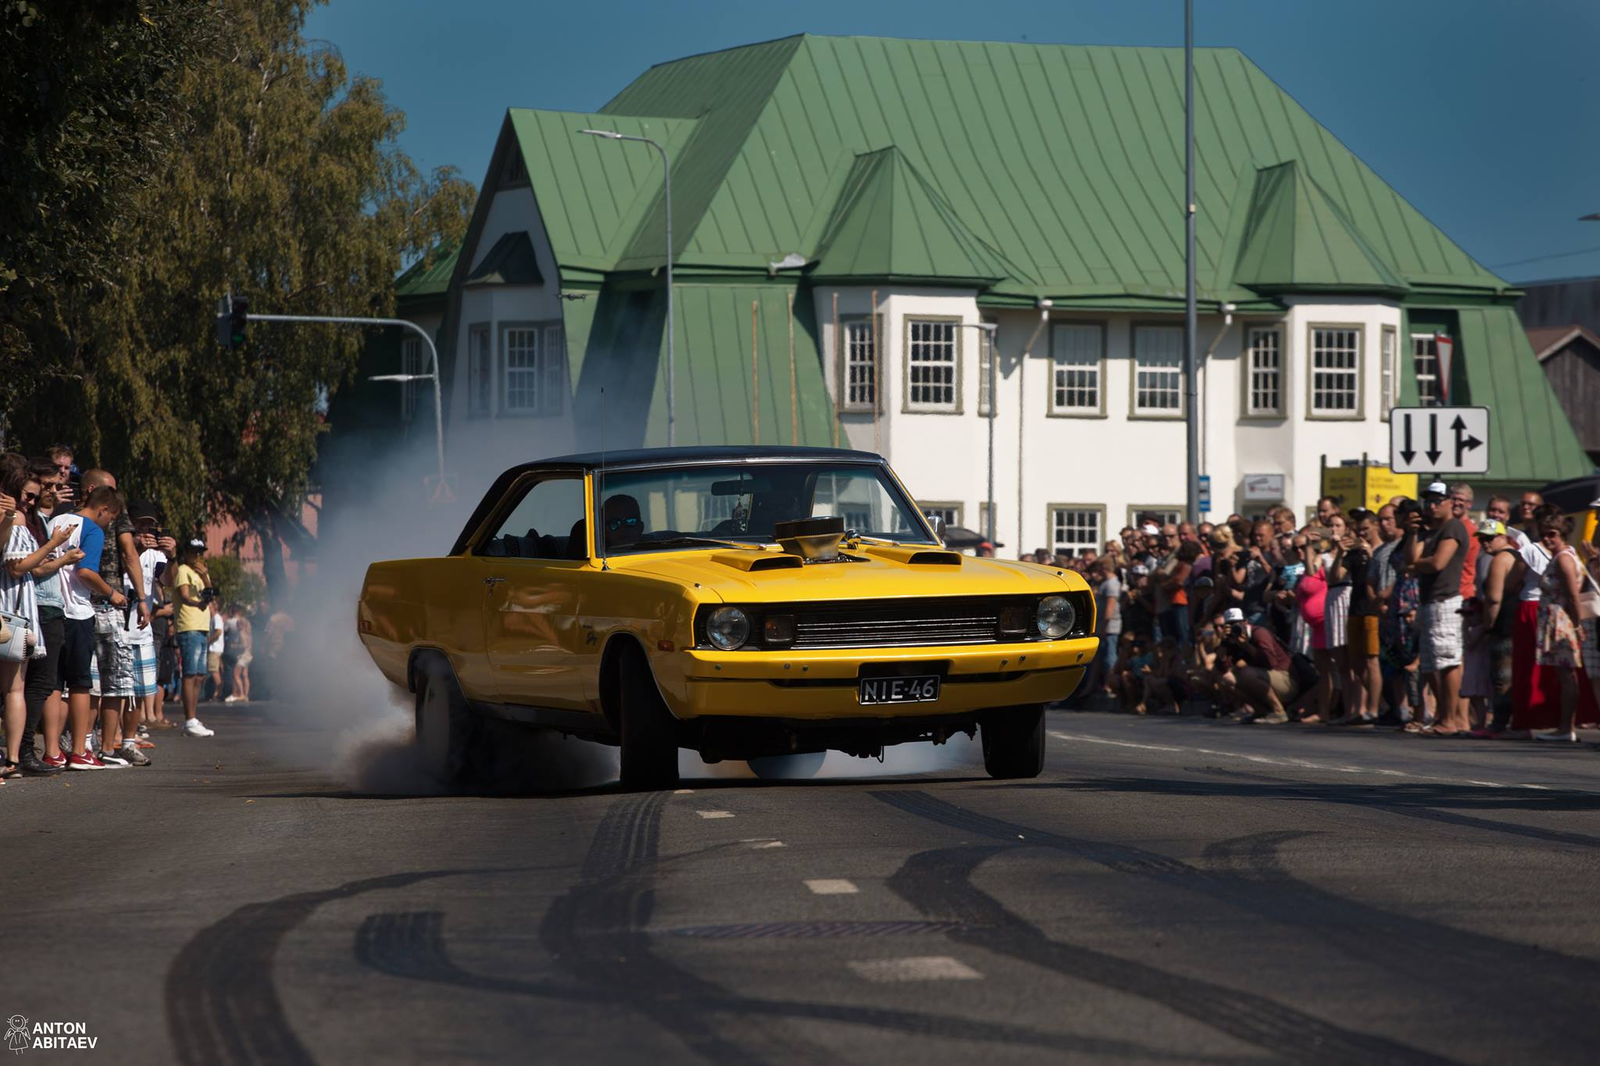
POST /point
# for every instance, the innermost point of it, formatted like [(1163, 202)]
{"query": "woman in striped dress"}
[(22, 553)]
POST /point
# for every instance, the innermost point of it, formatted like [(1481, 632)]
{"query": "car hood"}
[(883, 573)]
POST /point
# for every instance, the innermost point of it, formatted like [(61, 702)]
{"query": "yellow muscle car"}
[(765, 604)]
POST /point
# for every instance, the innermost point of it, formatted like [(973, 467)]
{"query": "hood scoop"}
[(811, 540), (752, 561), (910, 556)]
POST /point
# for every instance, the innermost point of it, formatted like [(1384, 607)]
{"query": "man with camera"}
[(192, 593), (1437, 562)]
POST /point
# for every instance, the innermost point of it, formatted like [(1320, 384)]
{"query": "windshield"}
[(741, 502)]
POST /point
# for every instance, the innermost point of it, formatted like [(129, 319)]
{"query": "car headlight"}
[(1056, 617), (728, 628)]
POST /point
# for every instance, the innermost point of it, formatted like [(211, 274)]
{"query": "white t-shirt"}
[(1538, 559), (144, 637), (218, 634), (17, 593), (74, 592)]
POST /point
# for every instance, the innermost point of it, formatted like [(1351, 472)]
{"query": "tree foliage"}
[(234, 583), (284, 185)]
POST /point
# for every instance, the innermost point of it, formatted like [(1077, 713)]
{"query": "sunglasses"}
[(622, 523), (30, 497)]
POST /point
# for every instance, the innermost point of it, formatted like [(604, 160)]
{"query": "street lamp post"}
[(666, 171), (989, 329), (1191, 417), (433, 355)]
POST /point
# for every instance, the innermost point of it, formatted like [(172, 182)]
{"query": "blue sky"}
[(1484, 114)]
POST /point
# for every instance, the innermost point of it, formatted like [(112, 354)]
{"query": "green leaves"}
[(170, 154)]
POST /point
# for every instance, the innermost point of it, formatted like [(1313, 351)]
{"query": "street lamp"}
[(989, 329), (666, 170)]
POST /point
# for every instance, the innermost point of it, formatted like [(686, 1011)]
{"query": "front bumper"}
[(822, 684)]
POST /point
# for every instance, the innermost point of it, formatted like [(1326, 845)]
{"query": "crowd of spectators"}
[(1425, 616), (104, 618)]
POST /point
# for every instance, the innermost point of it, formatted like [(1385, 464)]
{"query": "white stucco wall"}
[(1115, 460)]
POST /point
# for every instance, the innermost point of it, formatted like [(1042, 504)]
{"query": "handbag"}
[(17, 647), (1589, 599)]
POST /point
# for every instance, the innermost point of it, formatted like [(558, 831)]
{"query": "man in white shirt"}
[(100, 508)]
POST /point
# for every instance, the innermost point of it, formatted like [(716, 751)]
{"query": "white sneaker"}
[(230, 699), (193, 728)]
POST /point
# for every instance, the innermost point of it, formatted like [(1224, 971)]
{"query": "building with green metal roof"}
[(845, 208)]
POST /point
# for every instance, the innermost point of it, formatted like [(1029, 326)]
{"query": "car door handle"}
[(491, 582)]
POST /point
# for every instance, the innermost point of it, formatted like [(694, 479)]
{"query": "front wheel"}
[(1013, 742), (649, 739)]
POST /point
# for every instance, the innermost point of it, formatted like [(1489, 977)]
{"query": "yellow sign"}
[(1366, 486)]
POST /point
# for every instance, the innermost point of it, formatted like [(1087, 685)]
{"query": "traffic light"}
[(232, 314)]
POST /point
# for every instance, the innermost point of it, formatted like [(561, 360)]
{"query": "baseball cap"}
[(1138, 568), (143, 509), (1151, 530), (1491, 527), (196, 542), (1436, 490), (1233, 614)]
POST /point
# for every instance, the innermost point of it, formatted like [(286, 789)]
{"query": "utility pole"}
[(1191, 416)]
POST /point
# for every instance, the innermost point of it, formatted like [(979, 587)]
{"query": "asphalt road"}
[(1169, 891)]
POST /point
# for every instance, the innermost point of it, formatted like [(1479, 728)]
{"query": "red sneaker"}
[(58, 761), (85, 762)]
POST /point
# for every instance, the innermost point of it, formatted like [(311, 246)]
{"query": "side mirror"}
[(936, 522)]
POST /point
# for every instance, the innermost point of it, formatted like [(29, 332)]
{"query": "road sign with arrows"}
[(1439, 440)]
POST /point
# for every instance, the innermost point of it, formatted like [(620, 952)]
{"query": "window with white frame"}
[(858, 369), (950, 512), (480, 373), (1075, 528), (986, 367), (410, 363), (1164, 515), (1075, 349), (1336, 371), (1158, 370), (932, 346), (1264, 386), (1388, 372), (533, 369), (1425, 362)]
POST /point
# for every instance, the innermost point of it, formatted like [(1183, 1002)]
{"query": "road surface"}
[(1171, 890)]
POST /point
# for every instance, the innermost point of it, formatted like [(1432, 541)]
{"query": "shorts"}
[(1280, 681), (113, 655), (244, 661), (144, 670), (192, 651), (1361, 635), (213, 662), (77, 654), (1439, 635)]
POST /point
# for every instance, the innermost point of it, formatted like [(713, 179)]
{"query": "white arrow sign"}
[(1439, 440)]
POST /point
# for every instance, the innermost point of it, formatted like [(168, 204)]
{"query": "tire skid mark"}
[(938, 884), (222, 1006), (412, 946), (1427, 951), (596, 931)]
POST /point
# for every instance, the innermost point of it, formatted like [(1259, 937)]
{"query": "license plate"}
[(899, 689)]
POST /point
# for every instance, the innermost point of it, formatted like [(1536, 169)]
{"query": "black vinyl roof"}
[(701, 453), (635, 457)]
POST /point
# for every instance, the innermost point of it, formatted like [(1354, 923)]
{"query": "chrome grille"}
[(903, 623)]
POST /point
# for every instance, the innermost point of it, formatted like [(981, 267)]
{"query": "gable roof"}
[(509, 261), (1066, 159), (1548, 340), (889, 222), (1296, 239)]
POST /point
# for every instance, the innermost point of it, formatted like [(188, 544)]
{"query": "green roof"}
[(1065, 159), (888, 222), (1297, 239), (428, 276), (1531, 439)]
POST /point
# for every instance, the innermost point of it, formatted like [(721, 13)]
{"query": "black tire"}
[(787, 767), (649, 733), (1013, 742), (444, 722)]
